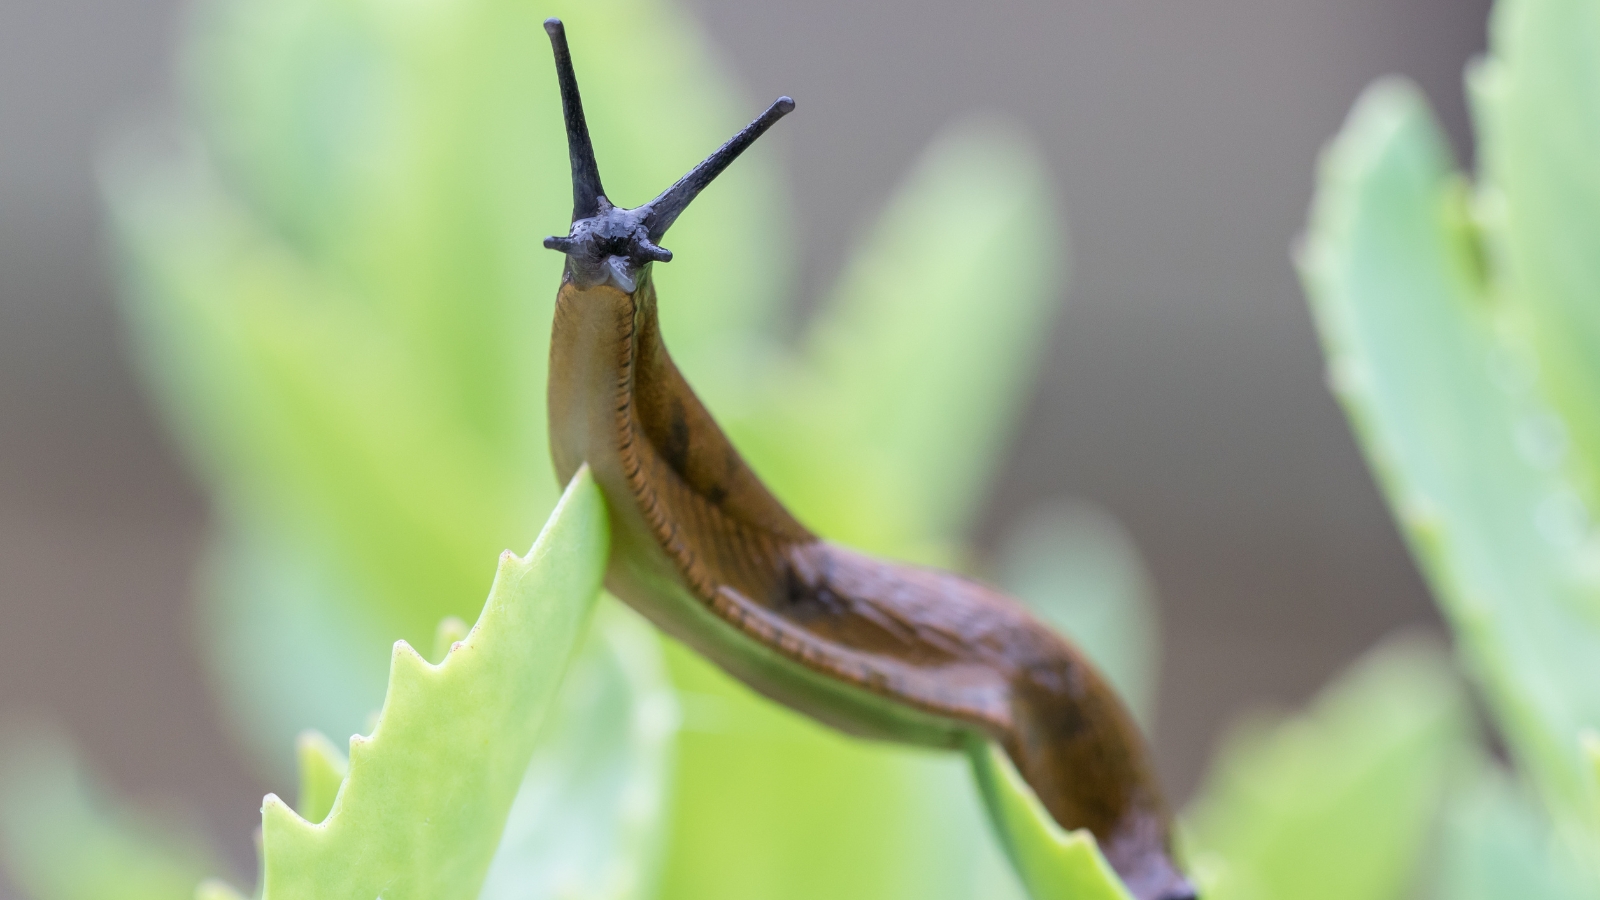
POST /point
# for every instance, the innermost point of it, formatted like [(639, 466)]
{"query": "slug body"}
[(703, 549)]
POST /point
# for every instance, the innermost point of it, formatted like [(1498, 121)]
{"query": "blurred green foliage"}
[(63, 838), (1497, 842), (1338, 802), (336, 293)]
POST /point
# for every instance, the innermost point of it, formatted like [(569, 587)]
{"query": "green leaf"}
[(1079, 571), (1497, 842), (61, 838), (1537, 105), (421, 811), (590, 807), (323, 768), (1338, 801), (589, 820), (1452, 420), (1054, 864)]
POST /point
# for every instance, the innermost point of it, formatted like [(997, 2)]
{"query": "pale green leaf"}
[(323, 768), (1053, 863), (1337, 802), (1454, 425), (589, 799), (62, 838), (589, 820), (421, 811), (1497, 842), (1537, 105)]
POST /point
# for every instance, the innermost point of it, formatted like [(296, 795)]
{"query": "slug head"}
[(609, 244)]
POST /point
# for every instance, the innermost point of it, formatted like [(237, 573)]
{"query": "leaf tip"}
[(322, 772), (277, 815), (406, 660)]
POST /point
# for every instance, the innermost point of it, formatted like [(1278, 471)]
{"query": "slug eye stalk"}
[(608, 243)]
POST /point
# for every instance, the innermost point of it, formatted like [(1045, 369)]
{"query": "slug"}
[(704, 550)]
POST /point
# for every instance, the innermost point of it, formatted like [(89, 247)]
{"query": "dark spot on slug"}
[(805, 602), (675, 449)]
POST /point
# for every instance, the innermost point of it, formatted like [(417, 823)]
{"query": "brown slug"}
[(702, 549)]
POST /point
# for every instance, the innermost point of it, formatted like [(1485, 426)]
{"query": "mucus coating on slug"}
[(702, 549)]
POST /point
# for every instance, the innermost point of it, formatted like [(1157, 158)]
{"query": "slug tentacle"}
[(587, 193), (665, 209), (707, 553), (608, 244)]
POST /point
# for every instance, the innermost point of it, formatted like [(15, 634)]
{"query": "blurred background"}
[(1183, 390)]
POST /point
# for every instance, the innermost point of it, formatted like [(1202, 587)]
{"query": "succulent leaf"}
[(421, 811), (1052, 863), (1448, 406)]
